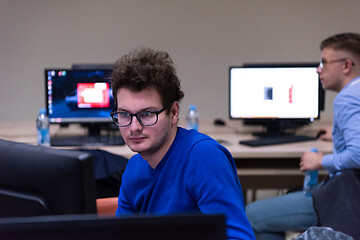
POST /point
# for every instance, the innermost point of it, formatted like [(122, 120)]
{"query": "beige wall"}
[(204, 38)]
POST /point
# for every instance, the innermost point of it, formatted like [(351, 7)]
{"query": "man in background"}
[(339, 70)]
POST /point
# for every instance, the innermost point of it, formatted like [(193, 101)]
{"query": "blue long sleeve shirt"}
[(346, 130), (197, 175)]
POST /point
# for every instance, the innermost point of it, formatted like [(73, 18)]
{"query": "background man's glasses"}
[(324, 61), (145, 118)]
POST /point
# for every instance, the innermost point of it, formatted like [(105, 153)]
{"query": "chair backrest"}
[(337, 203), (106, 206)]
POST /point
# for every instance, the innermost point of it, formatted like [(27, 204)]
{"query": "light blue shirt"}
[(346, 130)]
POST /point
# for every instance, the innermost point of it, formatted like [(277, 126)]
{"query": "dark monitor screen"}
[(37, 180), (274, 93), (78, 95), (191, 227)]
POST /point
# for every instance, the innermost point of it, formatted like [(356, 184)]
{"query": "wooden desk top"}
[(228, 135)]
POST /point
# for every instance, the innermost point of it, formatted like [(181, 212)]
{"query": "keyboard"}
[(103, 140), (272, 140)]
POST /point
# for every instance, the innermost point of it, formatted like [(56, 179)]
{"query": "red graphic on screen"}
[(93, 95), (290, 94)]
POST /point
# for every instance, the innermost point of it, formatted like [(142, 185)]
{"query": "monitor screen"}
[(274, 92), (38, 180), (78, 95)]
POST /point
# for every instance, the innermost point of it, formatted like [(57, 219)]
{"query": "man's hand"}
[(325, 133), (311, 161)]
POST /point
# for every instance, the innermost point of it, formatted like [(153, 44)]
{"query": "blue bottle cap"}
[(192, 107), (314, 150)]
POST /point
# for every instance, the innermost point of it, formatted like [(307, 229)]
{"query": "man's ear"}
[(174, 112), (348, 66)]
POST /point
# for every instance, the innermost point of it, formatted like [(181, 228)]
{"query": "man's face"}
[(331, 75), (146, 140)]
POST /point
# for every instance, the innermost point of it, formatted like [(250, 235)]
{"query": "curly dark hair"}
[(143, 68), (349, 42)]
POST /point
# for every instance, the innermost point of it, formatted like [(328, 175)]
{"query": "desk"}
[(267, 167)]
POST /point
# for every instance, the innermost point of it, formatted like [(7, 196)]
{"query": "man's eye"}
[(124, 114), (145, 114)]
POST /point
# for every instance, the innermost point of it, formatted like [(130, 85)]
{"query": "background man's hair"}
[(349, 42)]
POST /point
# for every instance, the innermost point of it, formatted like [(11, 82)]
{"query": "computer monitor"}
[(278, 96), (164, 227), (38, 180), (175, 227), (79, 95), (89, 66)]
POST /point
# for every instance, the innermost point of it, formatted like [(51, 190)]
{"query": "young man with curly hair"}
[(176, 170)]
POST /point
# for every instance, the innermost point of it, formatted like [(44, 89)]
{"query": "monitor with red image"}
[(78, 95)]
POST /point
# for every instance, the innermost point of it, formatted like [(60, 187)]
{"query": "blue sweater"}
[(196, 175)]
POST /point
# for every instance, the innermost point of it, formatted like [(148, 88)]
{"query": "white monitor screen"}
[(274, 92)]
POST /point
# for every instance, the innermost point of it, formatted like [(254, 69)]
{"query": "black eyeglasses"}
[(324, 61), (145, 118)]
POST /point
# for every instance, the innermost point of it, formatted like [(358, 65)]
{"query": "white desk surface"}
[(232, 133)]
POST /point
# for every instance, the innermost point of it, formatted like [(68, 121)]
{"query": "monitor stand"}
[(274, 128), (94, 136), (275, 134), (95, 129)]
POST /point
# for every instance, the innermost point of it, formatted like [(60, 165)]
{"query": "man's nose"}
[(135, 124), (319, 69)]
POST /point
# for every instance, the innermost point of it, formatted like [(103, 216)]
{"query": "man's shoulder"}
[(192, 139), (352, 88), (191, 136), (350, 93)]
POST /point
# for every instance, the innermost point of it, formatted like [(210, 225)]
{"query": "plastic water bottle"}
[(192, 118), (310, 179), (42, 126)]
